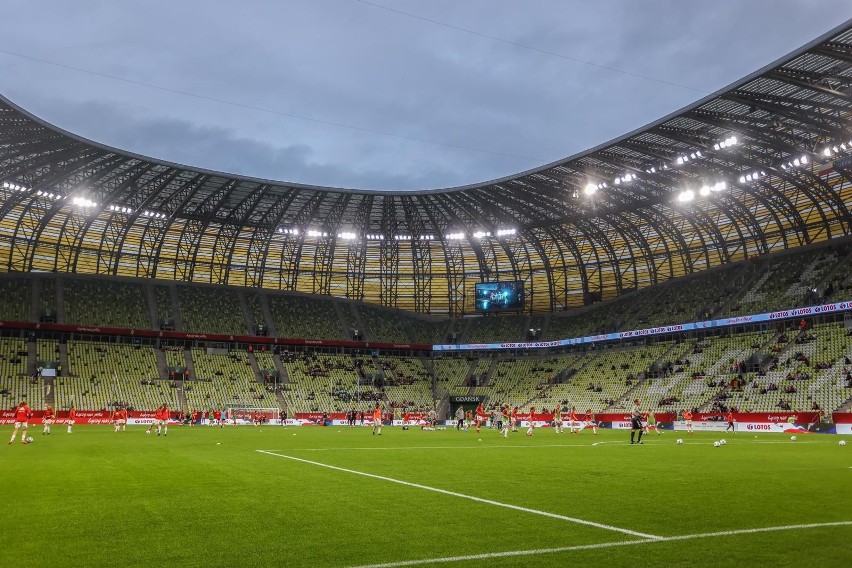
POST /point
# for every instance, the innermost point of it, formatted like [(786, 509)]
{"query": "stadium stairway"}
[(244, 309), (341, 319), (190, 364), (35, 290), (151, 298), (63, 356), (162, 364), (49, 386), (282, 370), (176, 313), (255, 367), (60, 300), (32, 357), (471, 371), (268, 319)]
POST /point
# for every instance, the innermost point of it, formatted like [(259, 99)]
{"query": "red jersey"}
[(72, 414), (377, 415), (217, 415), (122, 414), (573, 416), (23, 413), (687, 416), (161, 414), (730, 417), (48, 414)]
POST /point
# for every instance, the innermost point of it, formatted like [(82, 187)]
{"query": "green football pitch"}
[(339, 497)]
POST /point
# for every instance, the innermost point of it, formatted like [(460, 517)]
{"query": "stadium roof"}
[(759, 166)]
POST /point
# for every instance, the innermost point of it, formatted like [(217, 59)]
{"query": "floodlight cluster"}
[(14, 187), (49, 195), (84, 202), (834, 149)]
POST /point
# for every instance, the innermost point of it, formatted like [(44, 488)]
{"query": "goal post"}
[(240, 414)]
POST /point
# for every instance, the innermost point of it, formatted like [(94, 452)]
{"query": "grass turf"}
[(205, 496)]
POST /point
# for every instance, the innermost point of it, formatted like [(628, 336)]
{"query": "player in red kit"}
[(72, 416), (48, 420), (161, 420), (480, 417), (22, 417)]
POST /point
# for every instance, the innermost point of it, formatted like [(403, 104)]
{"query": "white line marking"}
[(471, 497), (477, 447), (535, 551)]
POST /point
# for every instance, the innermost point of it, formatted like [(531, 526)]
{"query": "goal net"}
[(237, 414)]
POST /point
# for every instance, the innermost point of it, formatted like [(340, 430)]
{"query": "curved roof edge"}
[(778, 62)]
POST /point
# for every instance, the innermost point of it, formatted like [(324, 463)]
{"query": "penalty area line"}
[(469, 497), (532, 552)]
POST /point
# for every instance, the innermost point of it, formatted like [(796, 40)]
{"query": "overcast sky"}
[(384, 94)]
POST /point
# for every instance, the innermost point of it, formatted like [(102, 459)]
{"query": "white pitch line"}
[(476, 447), (509, 553), (472, 498)]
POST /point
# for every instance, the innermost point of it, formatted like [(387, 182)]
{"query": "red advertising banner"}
[(249, 339)]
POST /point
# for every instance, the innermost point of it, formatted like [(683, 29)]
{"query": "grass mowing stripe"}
[(471, 497), (535, 551)]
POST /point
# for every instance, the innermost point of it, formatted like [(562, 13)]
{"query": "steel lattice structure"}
[(787, 184)]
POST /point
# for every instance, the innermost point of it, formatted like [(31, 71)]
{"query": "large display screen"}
[(499, 296)]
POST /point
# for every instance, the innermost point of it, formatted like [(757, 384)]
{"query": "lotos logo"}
[(759, 427)]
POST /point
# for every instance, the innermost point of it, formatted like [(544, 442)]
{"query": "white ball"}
[(793, 438), (148, 432), (30, 439), (679, 441), (842, 442), (716, 444), (723, 441)]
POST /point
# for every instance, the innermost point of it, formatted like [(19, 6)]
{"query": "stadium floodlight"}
[(679, 160), (686, 196), (78, 201), (827, 152), (704, 191), (455, 236), (719, 186), (346, 235), (590, 189)]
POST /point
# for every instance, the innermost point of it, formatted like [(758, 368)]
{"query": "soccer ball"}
[(30, 439), (529, 432), (793, 438), (716, 444), (148, 432), (723, 441), (842, 442), (679, 441)]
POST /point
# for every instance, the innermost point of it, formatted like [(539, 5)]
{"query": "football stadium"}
[(639, 354)]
